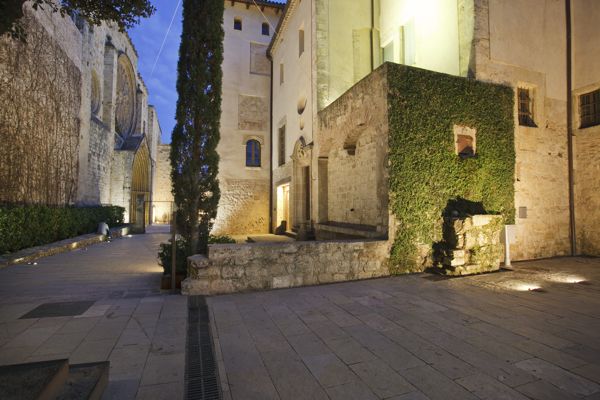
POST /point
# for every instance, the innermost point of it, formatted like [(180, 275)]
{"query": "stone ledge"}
[(232, 268), (37, 252)]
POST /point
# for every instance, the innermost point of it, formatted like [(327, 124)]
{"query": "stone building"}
[(245, 145), (75, 117), (324, 47)]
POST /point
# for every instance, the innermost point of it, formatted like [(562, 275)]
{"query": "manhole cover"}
[(64, 309)]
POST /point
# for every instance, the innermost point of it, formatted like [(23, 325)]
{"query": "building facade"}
[(245, 146), (324, 47), (75, 111)]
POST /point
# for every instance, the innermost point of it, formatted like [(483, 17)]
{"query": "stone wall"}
[(354, 140), (535, 61), (258, 266), (243, 208), (587, 193), (586, 78), (99, 163), (163, 197), (39, 130)]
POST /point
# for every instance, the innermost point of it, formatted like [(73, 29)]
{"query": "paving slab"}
[(101, 303), (417, 338)]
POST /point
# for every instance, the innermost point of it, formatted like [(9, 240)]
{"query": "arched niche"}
[(126, 92)]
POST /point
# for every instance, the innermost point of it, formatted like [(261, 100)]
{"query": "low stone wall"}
[(258, 266), (34, 253)]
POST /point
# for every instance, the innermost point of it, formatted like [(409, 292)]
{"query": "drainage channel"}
[(201, 379)]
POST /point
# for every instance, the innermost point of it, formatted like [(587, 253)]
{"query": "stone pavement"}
[(530, 333), (130, 323)]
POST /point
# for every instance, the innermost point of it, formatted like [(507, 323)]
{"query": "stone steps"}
[(55, 379)]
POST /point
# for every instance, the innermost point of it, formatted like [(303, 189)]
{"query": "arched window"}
[(252, 153)]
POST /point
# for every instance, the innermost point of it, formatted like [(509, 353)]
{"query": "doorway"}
[(283, 205)]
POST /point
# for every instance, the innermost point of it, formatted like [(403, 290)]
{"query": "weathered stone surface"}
[(252, 266), (477, 245)]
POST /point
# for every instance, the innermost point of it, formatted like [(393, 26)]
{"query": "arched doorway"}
[(140, 188)]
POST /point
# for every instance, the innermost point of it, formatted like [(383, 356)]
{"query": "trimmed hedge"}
[(32, 225), (426, 176)]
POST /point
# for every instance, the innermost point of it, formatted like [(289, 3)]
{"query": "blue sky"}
[(147, 38)]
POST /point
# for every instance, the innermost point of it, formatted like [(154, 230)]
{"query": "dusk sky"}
[(148, 37)]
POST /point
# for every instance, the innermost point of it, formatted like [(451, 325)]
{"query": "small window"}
[(589, 109), (526, 107), (252, 153), (237, 24), (301, 42), (282, 145), (265, 29), (281, 78)]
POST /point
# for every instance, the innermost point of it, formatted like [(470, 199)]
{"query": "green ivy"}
[(33, 225), (425, 172)]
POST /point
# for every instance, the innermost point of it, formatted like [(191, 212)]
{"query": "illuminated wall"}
[(420, 33)]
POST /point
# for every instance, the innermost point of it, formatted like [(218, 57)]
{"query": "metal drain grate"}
[(201, 378)]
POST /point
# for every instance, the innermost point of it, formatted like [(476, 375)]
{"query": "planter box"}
[(165, 283)]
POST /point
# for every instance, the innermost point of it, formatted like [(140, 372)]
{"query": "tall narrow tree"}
[(194, 157)]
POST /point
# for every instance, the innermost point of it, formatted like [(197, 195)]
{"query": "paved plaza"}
[(529, 333), (129, 323)]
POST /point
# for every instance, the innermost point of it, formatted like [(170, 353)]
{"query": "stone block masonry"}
[(259, 266)]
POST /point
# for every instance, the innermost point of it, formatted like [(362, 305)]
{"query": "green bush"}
[(33, 225), (166, 252), (426, 175)]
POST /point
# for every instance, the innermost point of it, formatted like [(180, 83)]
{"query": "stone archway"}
[(139, 213)]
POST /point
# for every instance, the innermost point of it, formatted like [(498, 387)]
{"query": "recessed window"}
[(281, 145), (465, 141), (252, 153), (589, 109), (265, 29), (300, 42), (526, 107), (281, 77), (237, 24)]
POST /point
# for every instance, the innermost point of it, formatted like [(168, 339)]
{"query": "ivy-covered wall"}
[(426, 175)]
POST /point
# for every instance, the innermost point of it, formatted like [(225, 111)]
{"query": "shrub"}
[(23, 226), (426, 176), (166, 252)]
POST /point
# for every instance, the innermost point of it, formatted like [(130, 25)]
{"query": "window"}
[(282, 145), (252, 153), (589, 109), (300, 42), (281, 80), (265, 29), (237, 24), (526, 107)]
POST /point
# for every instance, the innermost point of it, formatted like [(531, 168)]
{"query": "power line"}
[(165, 38)]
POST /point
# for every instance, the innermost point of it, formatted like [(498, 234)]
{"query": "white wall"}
[(297, 83), (424, 32), (244, 204)]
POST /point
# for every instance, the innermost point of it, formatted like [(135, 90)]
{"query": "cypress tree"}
[(194, 158)]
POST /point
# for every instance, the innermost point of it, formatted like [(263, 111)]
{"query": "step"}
[(33, 381), (85, 381)]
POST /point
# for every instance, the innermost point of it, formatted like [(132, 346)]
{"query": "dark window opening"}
[(589, 109), (252, 153), (301, 42), (464, 146), (237, 24), (281, 145), (526, 108), (265, 29)]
